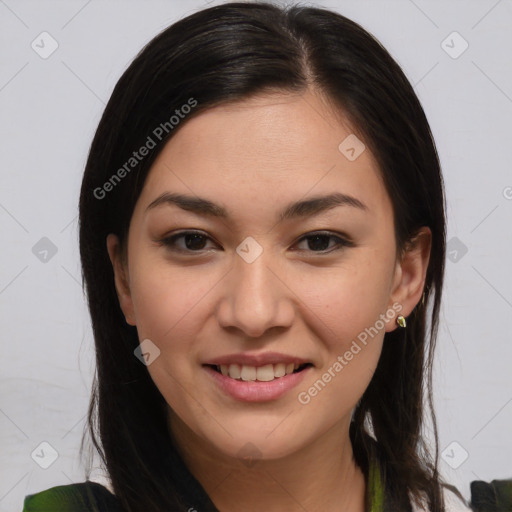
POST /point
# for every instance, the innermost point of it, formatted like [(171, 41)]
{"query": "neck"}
[(322, 476)]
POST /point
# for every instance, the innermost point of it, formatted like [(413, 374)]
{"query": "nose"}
[(255, 297)]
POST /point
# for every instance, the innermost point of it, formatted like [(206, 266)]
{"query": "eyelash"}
[(170, 241)]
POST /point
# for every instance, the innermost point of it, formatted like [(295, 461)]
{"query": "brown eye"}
[(194, 241), (319, 242)]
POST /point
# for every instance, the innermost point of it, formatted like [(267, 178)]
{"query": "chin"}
[(253, 440), (251, 449)]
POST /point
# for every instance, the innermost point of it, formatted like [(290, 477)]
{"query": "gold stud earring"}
[(400, 320)]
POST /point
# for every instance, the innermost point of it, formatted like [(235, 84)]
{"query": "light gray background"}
[(49, 111)]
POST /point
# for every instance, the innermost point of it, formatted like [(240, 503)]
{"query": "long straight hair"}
[(215, 56)]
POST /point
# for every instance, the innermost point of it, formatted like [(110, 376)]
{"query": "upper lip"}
[(255, 359)]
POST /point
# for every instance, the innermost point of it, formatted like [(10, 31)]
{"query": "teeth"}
[(279, 370), (248, 373), (262, 373), (233, 371), (265, 373)]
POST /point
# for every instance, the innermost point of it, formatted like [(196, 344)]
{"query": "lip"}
[(256, 391), (256, 359)]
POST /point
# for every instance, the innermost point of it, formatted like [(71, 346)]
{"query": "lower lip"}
[(257, 391)]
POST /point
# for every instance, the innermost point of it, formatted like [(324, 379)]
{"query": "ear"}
[(121, 278), (410, 274)]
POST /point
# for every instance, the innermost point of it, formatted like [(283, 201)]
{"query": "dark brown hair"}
[(223, 54)]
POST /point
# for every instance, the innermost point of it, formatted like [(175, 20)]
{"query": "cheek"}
[(165, 299), (347, 299), (346, 310), (169, 310), (345, 307)]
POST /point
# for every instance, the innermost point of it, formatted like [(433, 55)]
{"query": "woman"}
[(241, 364)]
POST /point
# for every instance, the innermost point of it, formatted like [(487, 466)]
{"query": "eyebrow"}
[(304, 208)]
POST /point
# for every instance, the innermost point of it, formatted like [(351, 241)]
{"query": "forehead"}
[(270, 128), (268, 150)]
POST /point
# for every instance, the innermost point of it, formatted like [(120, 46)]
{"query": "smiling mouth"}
[(265, 373)]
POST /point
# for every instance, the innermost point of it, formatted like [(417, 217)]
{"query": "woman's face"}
[(250, 294)]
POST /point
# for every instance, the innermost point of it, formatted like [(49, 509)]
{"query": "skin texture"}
[(254, 158)]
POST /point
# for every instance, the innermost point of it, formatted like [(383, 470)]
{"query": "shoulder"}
[(82, 497), (495, 496)]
